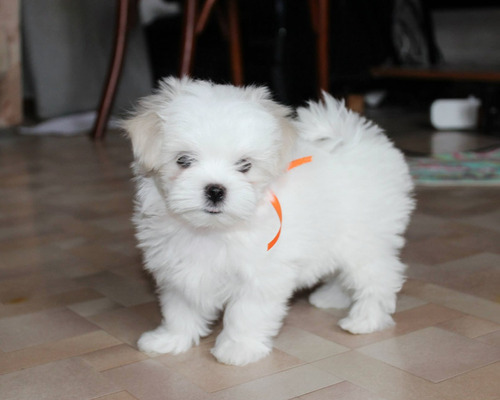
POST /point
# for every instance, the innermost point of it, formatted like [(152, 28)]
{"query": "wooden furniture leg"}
[(123, 17), (188, 36), (320, 22), (234, 43), (195, 23)]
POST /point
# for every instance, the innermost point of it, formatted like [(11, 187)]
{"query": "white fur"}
[(344, 214)]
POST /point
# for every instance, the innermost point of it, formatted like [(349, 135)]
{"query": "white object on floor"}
[(453, 141), (151, 10), (455, 113), (68, 125), (375, 97)]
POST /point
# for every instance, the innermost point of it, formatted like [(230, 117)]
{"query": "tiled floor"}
[(74, 299)]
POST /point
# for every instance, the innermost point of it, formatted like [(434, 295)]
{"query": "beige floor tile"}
[(125, 245), (72, 225), (201, 368), (69, 242), (382, 379), (123, 324), (62, 380), (434, 251), (99, 256), (42, 258), (478, 275), (469, 326), (433, 354), (320, 323), (29, 305), (423, 316), (491, 338), (27, 285), (42, 327), (458, 202), (35, 281), (113, 357), (134, 269), (114, 224), (280, 386), (303, 315), (479, 384), (425, 226), (30, 240), (484, 220), (118, 396), (94, 307), (66, 243), (150, 311), (472, 237), (121, 290), (54, 351), (406, 303), (151, 380), (455, 300), (341, 391), (304, 345)]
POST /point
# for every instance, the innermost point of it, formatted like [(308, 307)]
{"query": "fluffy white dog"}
[(225, 225)]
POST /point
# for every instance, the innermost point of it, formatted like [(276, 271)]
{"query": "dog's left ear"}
[(288, 138)]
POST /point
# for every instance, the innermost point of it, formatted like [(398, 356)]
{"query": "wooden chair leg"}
[(204, 15), (188, 37), (123, 16), (194, 24), (320, 20), (234, 43), (323, 36), (355, 102)]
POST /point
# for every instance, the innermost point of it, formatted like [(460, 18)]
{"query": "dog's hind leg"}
[(375, 287), (331, 294)]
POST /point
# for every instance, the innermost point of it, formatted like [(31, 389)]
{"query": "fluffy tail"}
[(329, 124)]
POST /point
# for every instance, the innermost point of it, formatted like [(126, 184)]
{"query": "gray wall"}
[(67, 49)]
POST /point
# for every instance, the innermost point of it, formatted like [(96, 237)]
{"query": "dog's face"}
[(213, 149)]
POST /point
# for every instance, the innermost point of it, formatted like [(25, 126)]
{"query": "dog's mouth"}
[(213, 212)]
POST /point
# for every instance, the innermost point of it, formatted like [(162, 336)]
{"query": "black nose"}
[(215, 193)]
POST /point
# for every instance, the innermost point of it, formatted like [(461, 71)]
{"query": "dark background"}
[(279, 49)]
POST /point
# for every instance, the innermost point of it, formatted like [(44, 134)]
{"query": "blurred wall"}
[(10, 64)]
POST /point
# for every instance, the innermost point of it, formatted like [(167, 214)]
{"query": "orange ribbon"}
[(299, 161), (275, 202)]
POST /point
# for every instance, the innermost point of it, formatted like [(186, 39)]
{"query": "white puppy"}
[(212, 187)]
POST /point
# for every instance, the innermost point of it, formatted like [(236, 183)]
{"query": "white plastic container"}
[(457, 114)]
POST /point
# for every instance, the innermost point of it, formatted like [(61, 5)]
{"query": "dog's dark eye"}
[(185, 161), (244, 165)]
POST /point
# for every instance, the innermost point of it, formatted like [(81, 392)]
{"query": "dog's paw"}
[(358, 325), (239, 353), (160, 341), (325, 297)]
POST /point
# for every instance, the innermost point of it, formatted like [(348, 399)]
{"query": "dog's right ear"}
[(144, 128)]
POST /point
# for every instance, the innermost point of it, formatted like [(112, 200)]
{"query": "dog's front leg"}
[(250, 322), (182, 326)]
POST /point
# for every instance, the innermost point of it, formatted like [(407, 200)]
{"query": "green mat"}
[(461, 168)]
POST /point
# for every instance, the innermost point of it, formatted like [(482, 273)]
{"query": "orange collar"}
[(275, 202)]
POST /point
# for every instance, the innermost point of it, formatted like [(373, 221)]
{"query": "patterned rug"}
[(457, 169)]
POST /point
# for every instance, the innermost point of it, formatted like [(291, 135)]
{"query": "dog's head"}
[(213, 149)]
